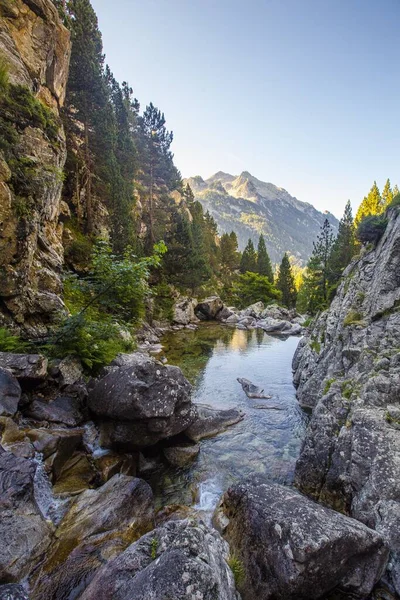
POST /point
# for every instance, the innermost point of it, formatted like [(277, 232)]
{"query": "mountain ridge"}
[(245, 204)]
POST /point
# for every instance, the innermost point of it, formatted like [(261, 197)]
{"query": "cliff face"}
[(35, 50), (348, 371)]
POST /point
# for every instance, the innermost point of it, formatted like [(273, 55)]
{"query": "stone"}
[(254, 310), (251, 390), (64, 409), (211, 421), (13, 591), (25, 367), (293, 548), (140, 405), (10, 393), (56, 446), (110, 464), (184, 311), (224, 314), (208, 309), (77, 475), (181, 560), (182, 455), (67, 371), (99, 525), (19, 513)]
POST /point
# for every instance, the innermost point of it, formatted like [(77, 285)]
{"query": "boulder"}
[(208, 309), (181, 560), (211, 421), (24, 533), (140, 405), (226, 313), (182, 455), (184, 311), (10, 393), (56, 446), (30, 367), (254, 310), (64, 409), (13, 591), (67, 371), (99, 525), (291, 547), (251, 390)]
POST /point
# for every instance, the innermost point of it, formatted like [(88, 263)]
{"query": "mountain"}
[(249, 207)]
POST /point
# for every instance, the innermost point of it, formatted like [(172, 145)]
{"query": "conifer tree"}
[(371, 205), (229, 251), (188, 195), (387, 195), (285, 283), (264, 266), (343, 248), (249, 259), (395, 190)]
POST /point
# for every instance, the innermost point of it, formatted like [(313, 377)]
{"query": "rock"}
[(25, 367), (293, 548), (56, 446), (77, 475), (64, 409), (10, 393), (13, 592), (254, 310), (22, 526), (98, 526), (224, 314), (208, 309), (251, 390), (184, 311), (181, 560), (67, 371), (142, 404), (182, 455), (211, 421), (233, 318), (110, 464)]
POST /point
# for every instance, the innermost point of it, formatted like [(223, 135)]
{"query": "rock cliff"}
[(34, 53), (348, 372)]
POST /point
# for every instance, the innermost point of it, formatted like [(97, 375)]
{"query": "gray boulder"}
[(211, 421), (142, 404), (31, 367), (181, 560), (251, 390), (254, 310), (10, 393), (208, 309), (64, 409), (13, 591), (292, 548), (184, 311)]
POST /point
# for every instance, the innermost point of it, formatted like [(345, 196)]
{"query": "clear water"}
[(266, 441)]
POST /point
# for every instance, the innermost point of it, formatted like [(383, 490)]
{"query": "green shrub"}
[(328, 385), (163, 302), (315, 345), (4, 79), (353, 317), (347, 389), (95, 343), (237, 569), (153, 548), (371, 229), (251, 287), (10, 342)]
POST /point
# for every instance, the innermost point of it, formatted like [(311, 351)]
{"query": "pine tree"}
[(343, 248), (395, 191), (387, 194), (249, 259), (229, 251), (285, 283), (264, 266), (371, 205), (188, 195)]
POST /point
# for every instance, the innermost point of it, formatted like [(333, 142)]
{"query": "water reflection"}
[(265, 442)]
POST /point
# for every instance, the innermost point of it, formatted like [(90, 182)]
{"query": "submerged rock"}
[(142, 404), (251, 390), (211, 421), (182, 455), (181, 560), (290, 547), (10, 393)]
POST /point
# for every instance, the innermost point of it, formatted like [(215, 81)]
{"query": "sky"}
[(302, 93)]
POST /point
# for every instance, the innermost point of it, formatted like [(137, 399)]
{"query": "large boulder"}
[(24, 533), (291, 548), (184, 311), (99, 525), (64, 409), (211, 421), (31, 367), (208, 309), (10, 393), (181, 560), (141, 404)]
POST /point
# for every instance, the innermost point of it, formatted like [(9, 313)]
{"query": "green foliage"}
[(347, 389), (371, 229), (285, 283), (229, 251), (343, 249), (163, 302), (315, 345), (251, 287), (95, 343), (10, 342), (153, 548), (249, 259), (237, 569), (387, 195), (371, 205), (328, 385), (4, 79), (395, 201), (264, 266), (353, 317)]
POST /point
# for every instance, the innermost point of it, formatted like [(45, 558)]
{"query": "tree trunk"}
[(89, 205)]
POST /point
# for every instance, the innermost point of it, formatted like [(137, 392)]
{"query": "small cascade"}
[(53, 509), (210, 491)]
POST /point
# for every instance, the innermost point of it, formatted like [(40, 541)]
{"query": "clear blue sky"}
[(301, 93)]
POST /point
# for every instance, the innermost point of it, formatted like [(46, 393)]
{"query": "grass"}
[(315, 346), (10, 342), (353, 317), (237, 569), (328, 385), (347, 389), (153, 548)]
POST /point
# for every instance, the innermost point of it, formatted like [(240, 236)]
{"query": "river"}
[(265, 442)]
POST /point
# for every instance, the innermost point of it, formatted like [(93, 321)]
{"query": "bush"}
[(10, 342), (371, 229), (251, 287), (237, 569), (163, 303), (395, 201)]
